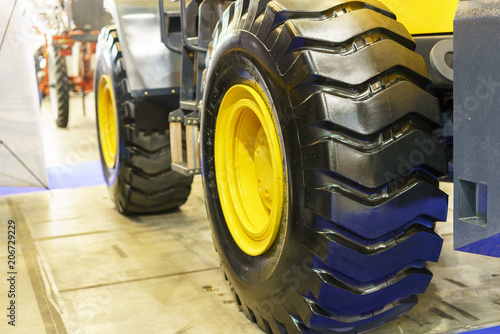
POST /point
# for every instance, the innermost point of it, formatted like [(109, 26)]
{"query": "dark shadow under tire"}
[(362, 163), (141, 181), (58, 85)]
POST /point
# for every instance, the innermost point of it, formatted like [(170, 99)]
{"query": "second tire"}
[(136, 165)]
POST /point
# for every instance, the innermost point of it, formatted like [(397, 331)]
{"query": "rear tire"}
[(59, 85), (361, 163), (137, 167)]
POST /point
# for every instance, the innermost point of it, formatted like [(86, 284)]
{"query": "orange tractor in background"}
[(66, 61)]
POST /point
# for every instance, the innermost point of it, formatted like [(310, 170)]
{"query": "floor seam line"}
[(137, 280), (75, 235)]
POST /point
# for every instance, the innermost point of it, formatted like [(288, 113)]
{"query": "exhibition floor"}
[(84, 268)]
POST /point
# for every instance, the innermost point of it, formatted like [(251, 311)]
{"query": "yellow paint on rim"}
[(424, 16), (249, 168), (108, 132)]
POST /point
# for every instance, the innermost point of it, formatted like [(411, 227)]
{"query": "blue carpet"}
[(85, 174)]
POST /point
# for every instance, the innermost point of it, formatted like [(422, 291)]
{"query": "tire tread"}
[(147, 184), (332, 57)]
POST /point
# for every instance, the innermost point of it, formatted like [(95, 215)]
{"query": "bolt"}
[(146, 93), (191, 172), (179, 119), (189, 121), (173, 91)]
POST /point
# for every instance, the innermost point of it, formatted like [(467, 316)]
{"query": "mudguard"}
[(151, 68)]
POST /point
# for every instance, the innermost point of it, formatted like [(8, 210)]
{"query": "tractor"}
[(70, 29), (321, 130)]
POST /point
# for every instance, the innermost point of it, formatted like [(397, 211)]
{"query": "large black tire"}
[(141, 181), (58, 85), (357, 126)]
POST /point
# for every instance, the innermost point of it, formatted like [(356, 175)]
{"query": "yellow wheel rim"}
[(107, 121), (249, 169)]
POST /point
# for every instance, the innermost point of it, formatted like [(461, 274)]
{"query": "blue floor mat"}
[(85, 174)]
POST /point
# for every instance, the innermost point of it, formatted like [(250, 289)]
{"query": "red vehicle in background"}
[(66, 61)]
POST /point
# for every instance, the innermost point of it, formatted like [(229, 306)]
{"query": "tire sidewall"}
[(229, 66), (105, 65)]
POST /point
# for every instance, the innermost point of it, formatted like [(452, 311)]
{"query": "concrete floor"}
[(84, 268)]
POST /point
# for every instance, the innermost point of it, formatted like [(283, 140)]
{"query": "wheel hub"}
[(108, 132), (249, 169), (263, 168)]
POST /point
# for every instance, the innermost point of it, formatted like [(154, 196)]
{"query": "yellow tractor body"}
[(424, 16)]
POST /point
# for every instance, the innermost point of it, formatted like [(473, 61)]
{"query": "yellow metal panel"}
[(424, 16)]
